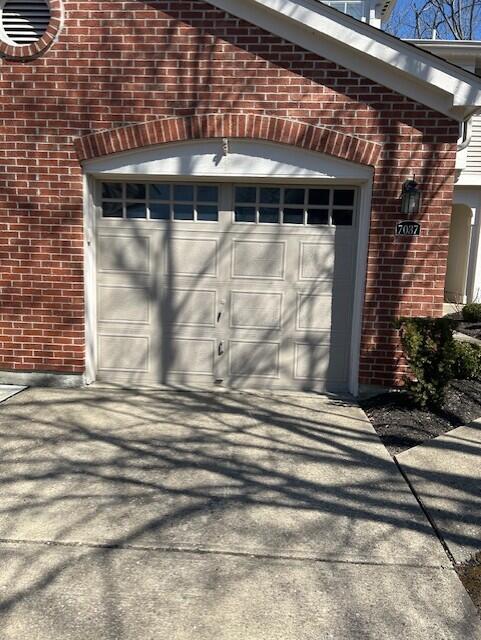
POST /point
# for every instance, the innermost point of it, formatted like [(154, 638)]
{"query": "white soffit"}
[(247, 158), (368, 51)]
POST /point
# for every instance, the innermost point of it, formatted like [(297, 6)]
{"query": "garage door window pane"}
[(184, 192), (270, 195), (293, 216), (207, 194), (112, 209), (342, 217), (159, 211), (294, 196), (245, 194), (159, 191), (112, 190), (136, 210), (183, 212), (269, 215), (135, 191), (207, 213), (245, 214), (344, 197), (262, 204), (319, 196), (317, 216)]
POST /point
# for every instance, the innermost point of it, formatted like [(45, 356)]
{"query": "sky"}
[(401, 22)]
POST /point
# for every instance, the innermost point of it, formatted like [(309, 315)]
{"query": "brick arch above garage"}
[(245, 126)]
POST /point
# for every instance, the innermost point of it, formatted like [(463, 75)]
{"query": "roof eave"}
[(400, 66), (451, 44)]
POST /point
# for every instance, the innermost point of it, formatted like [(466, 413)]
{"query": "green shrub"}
[(467, 365), (472, 312), (430, 351)]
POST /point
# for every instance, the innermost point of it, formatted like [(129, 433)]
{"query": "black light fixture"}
[(410, 197)]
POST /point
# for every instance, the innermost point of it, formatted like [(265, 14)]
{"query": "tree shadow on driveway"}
[(214, 480)]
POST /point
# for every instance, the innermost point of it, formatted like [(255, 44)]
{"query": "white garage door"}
[(240, 285)]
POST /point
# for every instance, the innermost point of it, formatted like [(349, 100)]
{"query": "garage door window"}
[(294, 206), (160, 201), (263, 205)]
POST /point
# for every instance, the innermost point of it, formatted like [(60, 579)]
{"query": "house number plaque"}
[(408, 228)]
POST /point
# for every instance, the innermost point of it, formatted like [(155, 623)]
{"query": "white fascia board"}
[(370, 52), (439, 47)]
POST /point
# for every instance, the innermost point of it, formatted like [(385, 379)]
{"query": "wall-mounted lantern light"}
[(411, 197)]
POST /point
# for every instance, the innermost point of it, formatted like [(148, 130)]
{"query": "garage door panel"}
[(193, 257), (192, 355), (325, 261), (123, 352), (317, 361), (127, 254), (316, 261), (314, 312), (190, 307), (256, 310), (254, 259), (252, 359), (323, 312), (123, 304)]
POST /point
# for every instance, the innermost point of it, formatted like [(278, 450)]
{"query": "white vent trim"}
[(23, 21)]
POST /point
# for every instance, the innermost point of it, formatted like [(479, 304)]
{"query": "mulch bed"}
[(472, 329), (401, 425), (470, 575)]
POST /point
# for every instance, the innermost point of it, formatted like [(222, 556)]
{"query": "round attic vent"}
[(24, 21)]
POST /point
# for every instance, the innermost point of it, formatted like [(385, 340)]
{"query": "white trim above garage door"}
[(228, 160), (244, 161)]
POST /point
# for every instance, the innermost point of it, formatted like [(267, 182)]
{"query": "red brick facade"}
[(126, 66)]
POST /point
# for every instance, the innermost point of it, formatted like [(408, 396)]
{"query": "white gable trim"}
[(366, 50), (250, 159)]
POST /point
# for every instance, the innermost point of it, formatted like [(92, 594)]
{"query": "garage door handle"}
[(221, 349), (221, 309)]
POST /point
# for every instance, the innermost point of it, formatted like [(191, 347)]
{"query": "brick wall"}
[(117, 63)]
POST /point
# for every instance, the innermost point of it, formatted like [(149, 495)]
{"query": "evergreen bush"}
[(431, 353), (472, 312), (467, 365)]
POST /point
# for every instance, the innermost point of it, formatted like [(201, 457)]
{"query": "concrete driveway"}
[(226, 516)]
